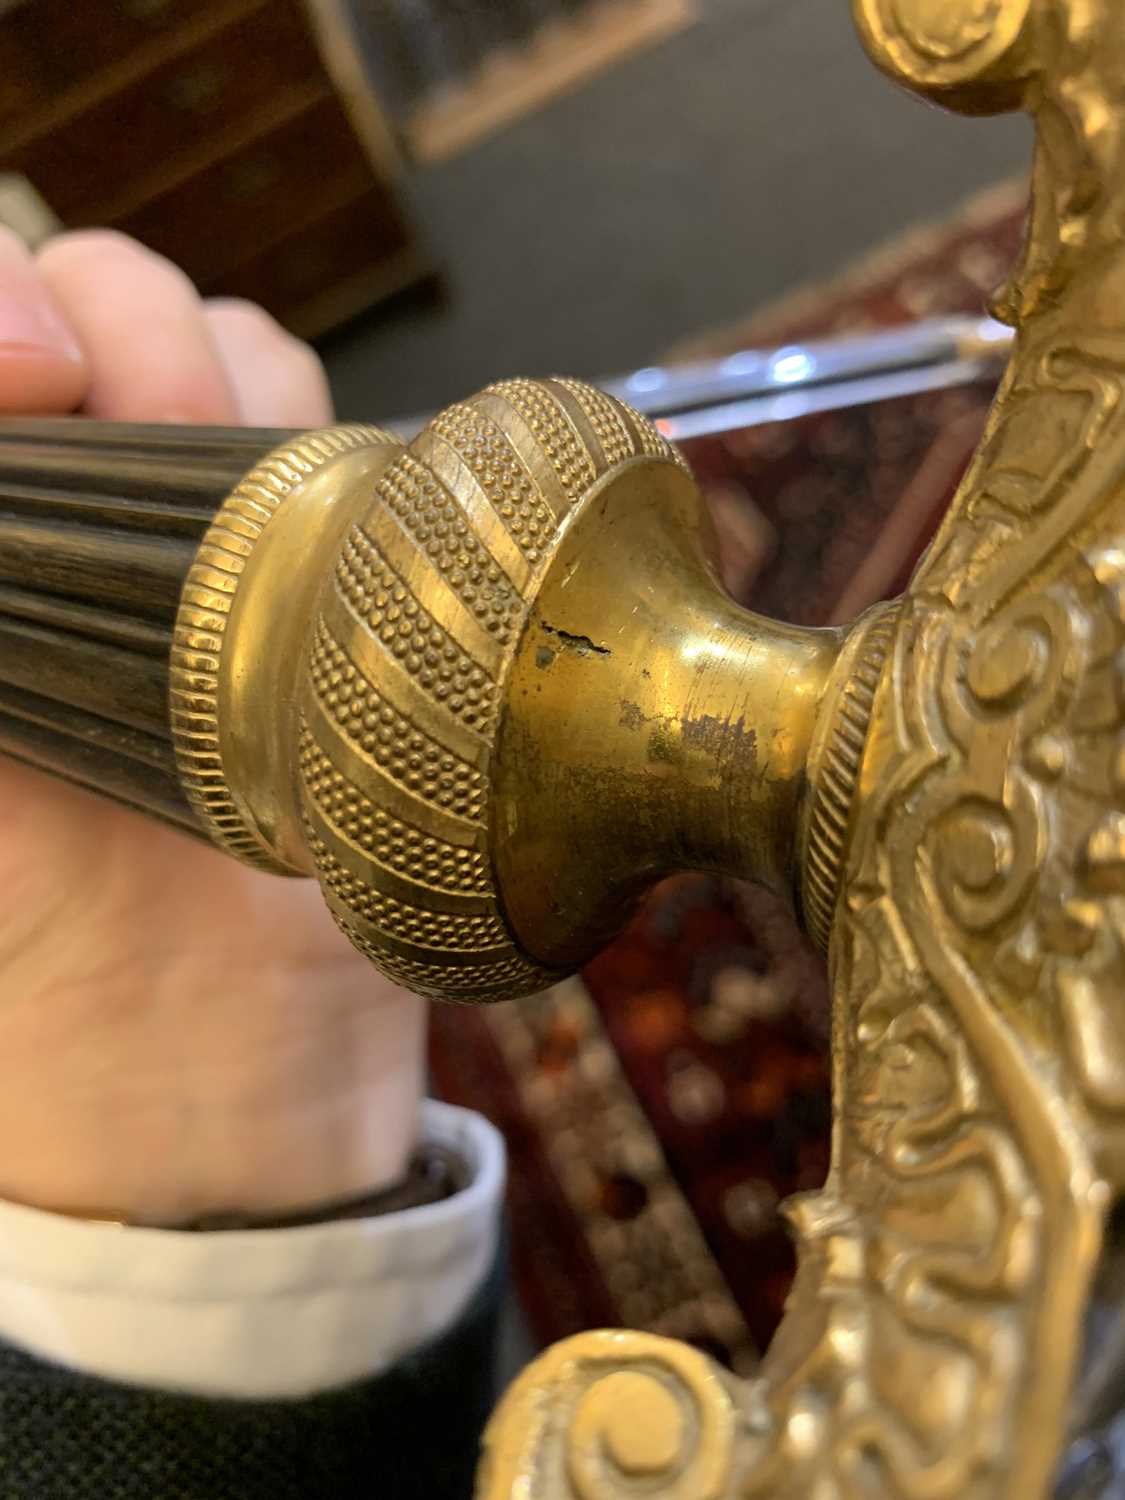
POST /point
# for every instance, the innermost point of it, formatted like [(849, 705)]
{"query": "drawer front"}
[(60, 43), (236, 208), (139, 133), (315, 277)]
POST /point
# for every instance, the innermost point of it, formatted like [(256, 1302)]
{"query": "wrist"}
[(279, 1093)]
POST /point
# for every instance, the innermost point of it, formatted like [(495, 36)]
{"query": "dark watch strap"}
[(434, 1174)]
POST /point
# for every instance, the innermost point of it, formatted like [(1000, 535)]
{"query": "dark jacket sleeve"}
[(410, 1434)]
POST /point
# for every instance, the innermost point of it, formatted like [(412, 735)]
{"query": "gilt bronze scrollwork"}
[(486, 689)]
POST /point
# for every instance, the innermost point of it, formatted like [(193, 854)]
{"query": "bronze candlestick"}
[(486, 689)]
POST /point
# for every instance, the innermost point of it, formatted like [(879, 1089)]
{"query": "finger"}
[(141, 324), (277, 380), (42, 368)]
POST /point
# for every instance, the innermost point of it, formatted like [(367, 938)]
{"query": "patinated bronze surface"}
[(486, 689)]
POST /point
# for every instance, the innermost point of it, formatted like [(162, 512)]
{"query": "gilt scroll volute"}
[(937, 1324)]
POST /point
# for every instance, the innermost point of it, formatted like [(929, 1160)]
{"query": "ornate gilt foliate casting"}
[(486, 689)]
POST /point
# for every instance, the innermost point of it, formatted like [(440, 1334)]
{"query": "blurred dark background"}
[(444, 191), (746, 155)]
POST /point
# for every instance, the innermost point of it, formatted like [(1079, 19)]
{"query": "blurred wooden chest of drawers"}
[(240, 138)]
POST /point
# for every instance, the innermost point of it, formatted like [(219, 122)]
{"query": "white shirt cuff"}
[(260, 1313)]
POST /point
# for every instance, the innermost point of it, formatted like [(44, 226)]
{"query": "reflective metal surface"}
[(755, 386)]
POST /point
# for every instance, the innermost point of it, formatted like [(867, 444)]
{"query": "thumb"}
[(42, 367)]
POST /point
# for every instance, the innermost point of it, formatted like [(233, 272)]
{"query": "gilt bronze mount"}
[(486, 689)]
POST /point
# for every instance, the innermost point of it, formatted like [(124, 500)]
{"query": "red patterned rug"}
[(660, 1110)]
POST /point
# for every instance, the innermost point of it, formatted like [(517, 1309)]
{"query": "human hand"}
[(179, 1035)]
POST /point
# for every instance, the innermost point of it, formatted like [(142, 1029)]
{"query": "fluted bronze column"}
[(99, 524)]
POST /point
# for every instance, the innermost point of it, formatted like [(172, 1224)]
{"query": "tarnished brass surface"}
[(650, 725)]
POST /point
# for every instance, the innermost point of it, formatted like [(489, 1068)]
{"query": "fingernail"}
[(29, 320)]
